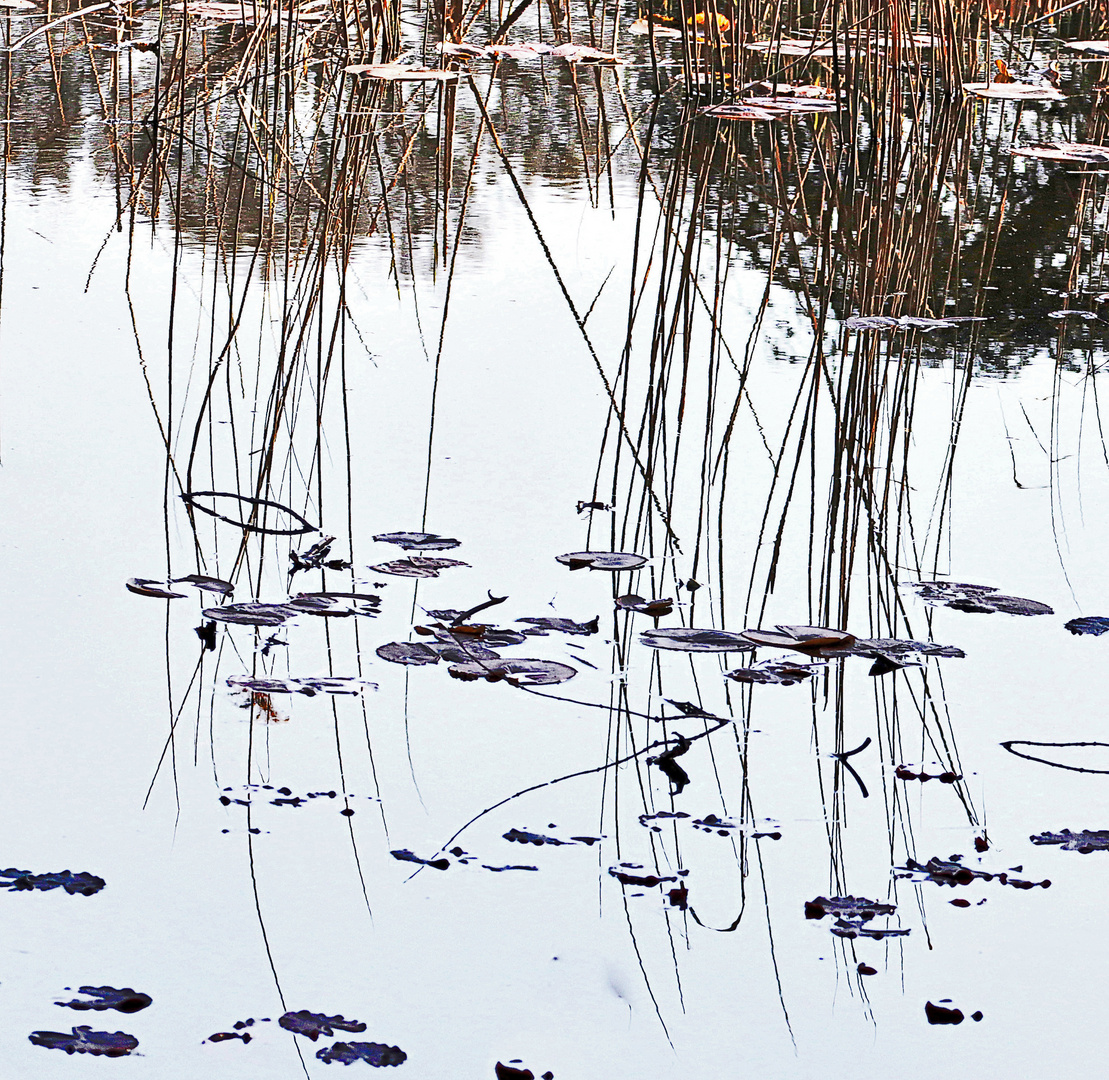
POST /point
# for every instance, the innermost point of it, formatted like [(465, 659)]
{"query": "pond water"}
[(540, 309)]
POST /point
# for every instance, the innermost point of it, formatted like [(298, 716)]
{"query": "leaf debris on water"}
[(83, 1040), (99, 998), (313, 1025), (83, 884)]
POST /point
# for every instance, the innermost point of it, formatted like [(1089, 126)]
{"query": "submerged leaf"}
[(690, 639), (601, 560)]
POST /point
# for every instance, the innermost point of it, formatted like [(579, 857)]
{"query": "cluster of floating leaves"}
[(903, 772), (1083, 842), (510, 1072), (522, 836), (851, 914), (313, 1025), (101, 998), (979, 599), (940, 1014), (623, 874), (952, 872), (417, 566), (601, 560), (418, 541), (379, 1055), (83, 1040), (774, 102), (164, 590), (325, 604), (81, 884), (710, 823)]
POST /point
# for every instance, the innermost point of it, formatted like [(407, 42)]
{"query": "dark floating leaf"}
[(324, 603), (583, 506), (866, 969), (669, 767), (1045, 759), (938, 1014), (82, 884), (419, 653), (655, 608), (313, 1025), (404, 855), (514, 672), (253, 614), (417, 567), (223, 1036), (782, 673), (256, 505), (601, 560), (952, 872), (662, 815), (522, 836), (847, 907), (84, 1040), (806, 639), (509, 1072), (315, 558), (903, 772), (981, 599), (565, 626), (418, 541), (376, 1054), (499, 869), (689, 639), (307, 686), (207, 633), (150, 587), (647, 880), (1091, 624), (1083, 842), (207, 584), (99, 998)]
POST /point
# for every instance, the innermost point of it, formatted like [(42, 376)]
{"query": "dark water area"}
[(577, 551)]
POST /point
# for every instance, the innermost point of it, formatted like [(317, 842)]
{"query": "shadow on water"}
[(778, 250)]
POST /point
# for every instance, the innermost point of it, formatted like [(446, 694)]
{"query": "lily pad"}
[(418, 541), (1015, 91), (805, 639), (850, 907), (151, 587), (565, 626), (981, 599), (1068, 152), (238, 503), (313, 1025), (1083, 842), (1095, 625), (770, 108), (416, 567), (402, 73), (99, 998), (253, 614), (515, 672), (83, 1040), (419, 653), (327, 684), (404, 855), (656, 609), (691, 639), (376, 1054), (83, 884), (908, 322), (601, 560), (782, 673)]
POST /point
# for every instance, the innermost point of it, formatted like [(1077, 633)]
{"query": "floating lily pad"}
[(565, 626), (151, 587), (260, 507), (908, 322), (82, 884), (309, 687), (376, 1054), (781, 673), (253, 614), (462, 50), (642, 28), (418, 541), (691, 639), (402, 73), (601, 560), (1015, 91), (522, 836), (1095, 625), (419, 653), (416, 567), (981, 599), (805, 639), (99, 998), (337, 603), (313, 1025), (940, 1014), (164, 590), (770, 108), (656, 609), (847, 907), (516, 672), (1083, 842), (83, 1040), (1068, 152)]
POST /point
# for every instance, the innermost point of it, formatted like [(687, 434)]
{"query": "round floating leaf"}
[(689, 639), (601, 560), (1015, 91), (207, 584), (516, 672), (782, 673), (1073, 153), (237, 505), (252, 614), (413, 653), (416, 567), (418, 541), (655, 608), (801, 638)]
